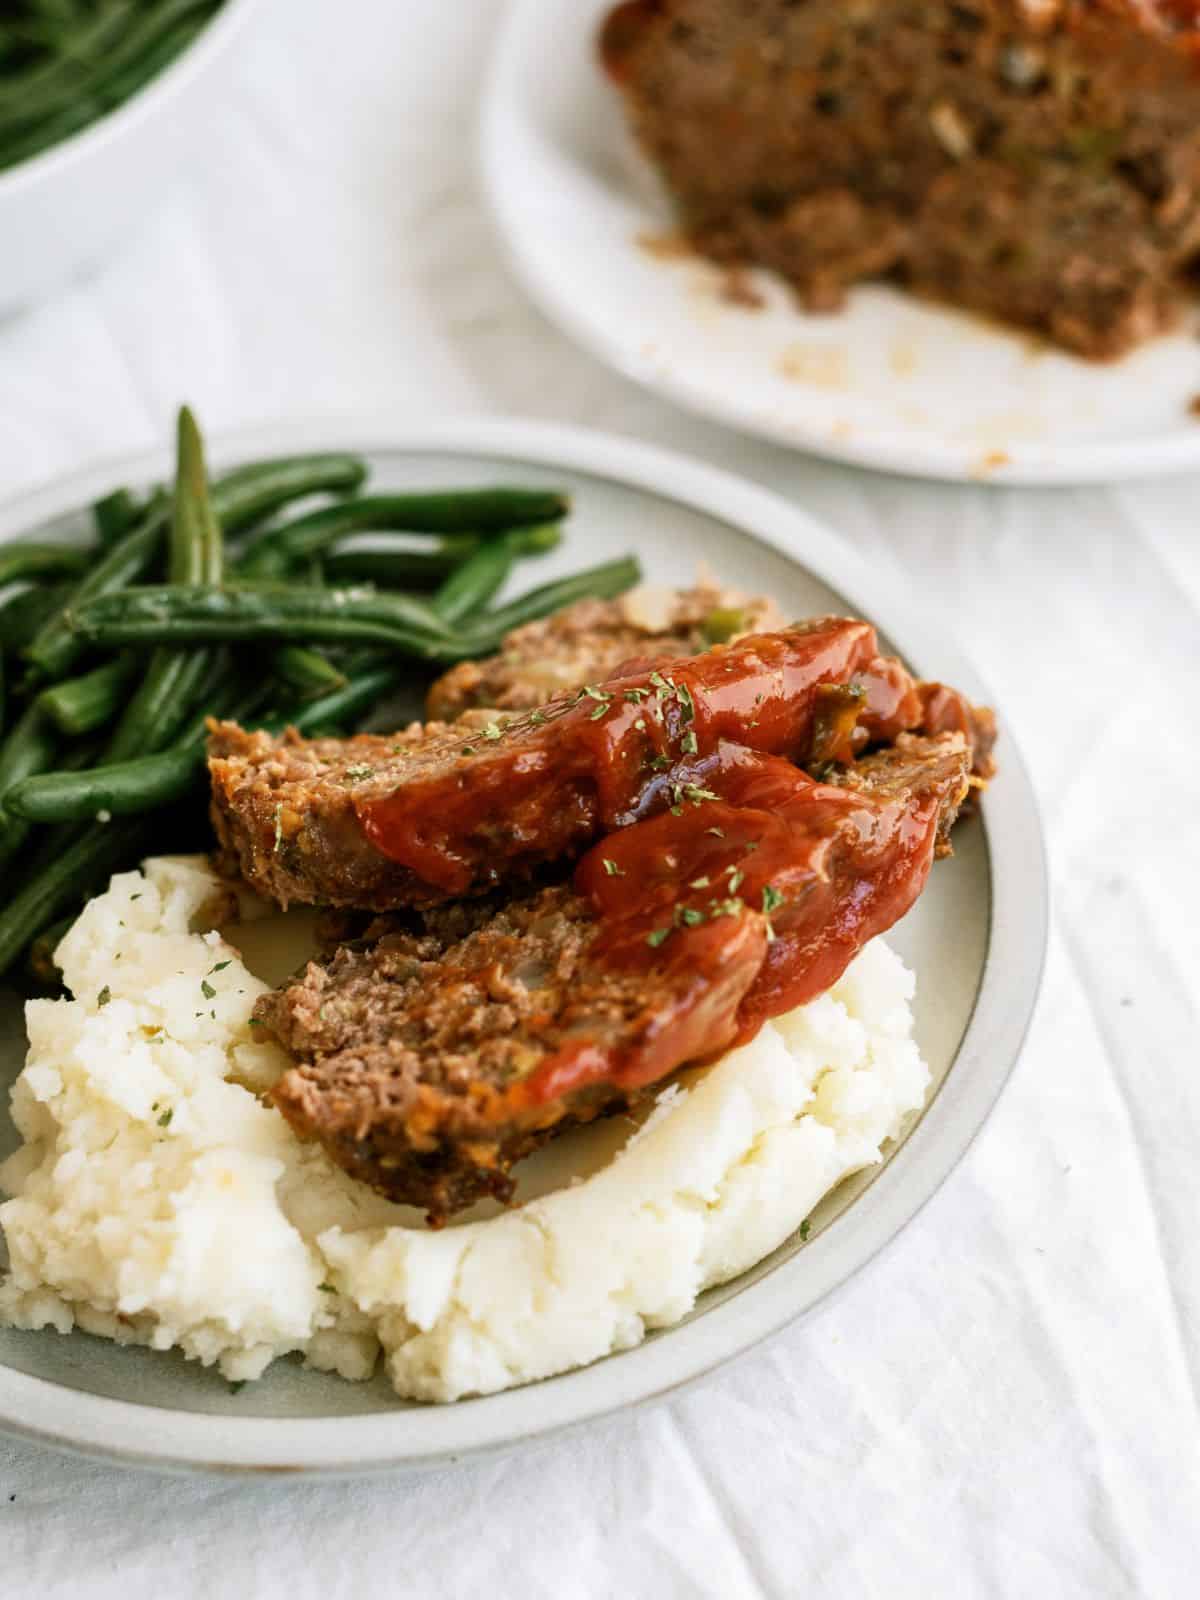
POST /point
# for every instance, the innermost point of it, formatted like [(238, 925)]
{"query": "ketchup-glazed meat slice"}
[(428, 1066), (378, 823)]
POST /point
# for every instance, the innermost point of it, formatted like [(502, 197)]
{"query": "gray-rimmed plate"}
[(976, 940)]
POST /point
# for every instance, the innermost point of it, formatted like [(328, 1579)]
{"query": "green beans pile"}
[(217, 599), (66, 63)]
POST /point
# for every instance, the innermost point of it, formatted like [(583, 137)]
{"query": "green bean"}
[(469, 589), (534, 540), (116, 514), (105, 75), (149, 782), (243, 497), (23, 612), (41, 88), (596, 583), (124, 788), (240, 499), (195, 548), (399, 568), (307, 671), (346, 705), (82, 862), (29, 558), (164, 614), (81, 705), (195, 554), (474, 511), (30, 748), (54, 649)]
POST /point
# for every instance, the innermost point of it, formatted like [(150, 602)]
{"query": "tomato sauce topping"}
[(545, 784)]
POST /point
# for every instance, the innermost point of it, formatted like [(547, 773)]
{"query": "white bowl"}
[(62, 210), (975, 939)]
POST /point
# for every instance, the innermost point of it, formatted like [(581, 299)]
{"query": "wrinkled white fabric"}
[(1005, 1405)]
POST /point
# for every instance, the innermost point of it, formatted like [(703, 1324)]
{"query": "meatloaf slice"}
[(1034, 160), (437, 813), (589, 641), (428, 1064)]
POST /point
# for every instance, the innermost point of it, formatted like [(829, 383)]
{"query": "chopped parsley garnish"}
[(805, 1230), (640, 724), (207, 990), (326, 1288), (688, 743), (165, 1120), (104, 996), (660, 763), (593, 693), (735, 880), (695, 795), (536, 718), (135, 897), (467, 750), (635, 695), (612, 869), (492, 731), (733, 907), (676, 811), (771, 901), (686, 704), (700, 883), (656, 938), (236, 1388), (220, 967), (255, 1022), (691, 916), (357, 774), (600, 711)]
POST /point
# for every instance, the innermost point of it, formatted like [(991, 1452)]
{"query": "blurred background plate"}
[(890, 382), (976, 941)]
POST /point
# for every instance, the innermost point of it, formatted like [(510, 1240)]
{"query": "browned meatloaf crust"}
[(412, 1050), (587, 642), (1034, 160)]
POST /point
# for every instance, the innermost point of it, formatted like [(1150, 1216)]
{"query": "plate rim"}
[(888, 450), (1010, 980)]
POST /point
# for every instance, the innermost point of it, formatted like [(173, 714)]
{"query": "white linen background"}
[(1006, 1403)]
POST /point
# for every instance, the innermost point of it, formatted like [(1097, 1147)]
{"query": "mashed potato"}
[(157, 1200)]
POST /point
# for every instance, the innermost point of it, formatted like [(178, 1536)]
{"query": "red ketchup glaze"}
[(756, 900), (556, 778)]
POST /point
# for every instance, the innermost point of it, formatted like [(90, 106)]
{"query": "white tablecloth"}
[(1006, 1403)]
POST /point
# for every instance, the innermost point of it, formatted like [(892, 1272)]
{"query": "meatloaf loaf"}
[(376, 823), (431, 1058), (1034, 160)]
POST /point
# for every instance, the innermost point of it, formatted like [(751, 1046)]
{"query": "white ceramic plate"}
[(976, 940), (889, 383)]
